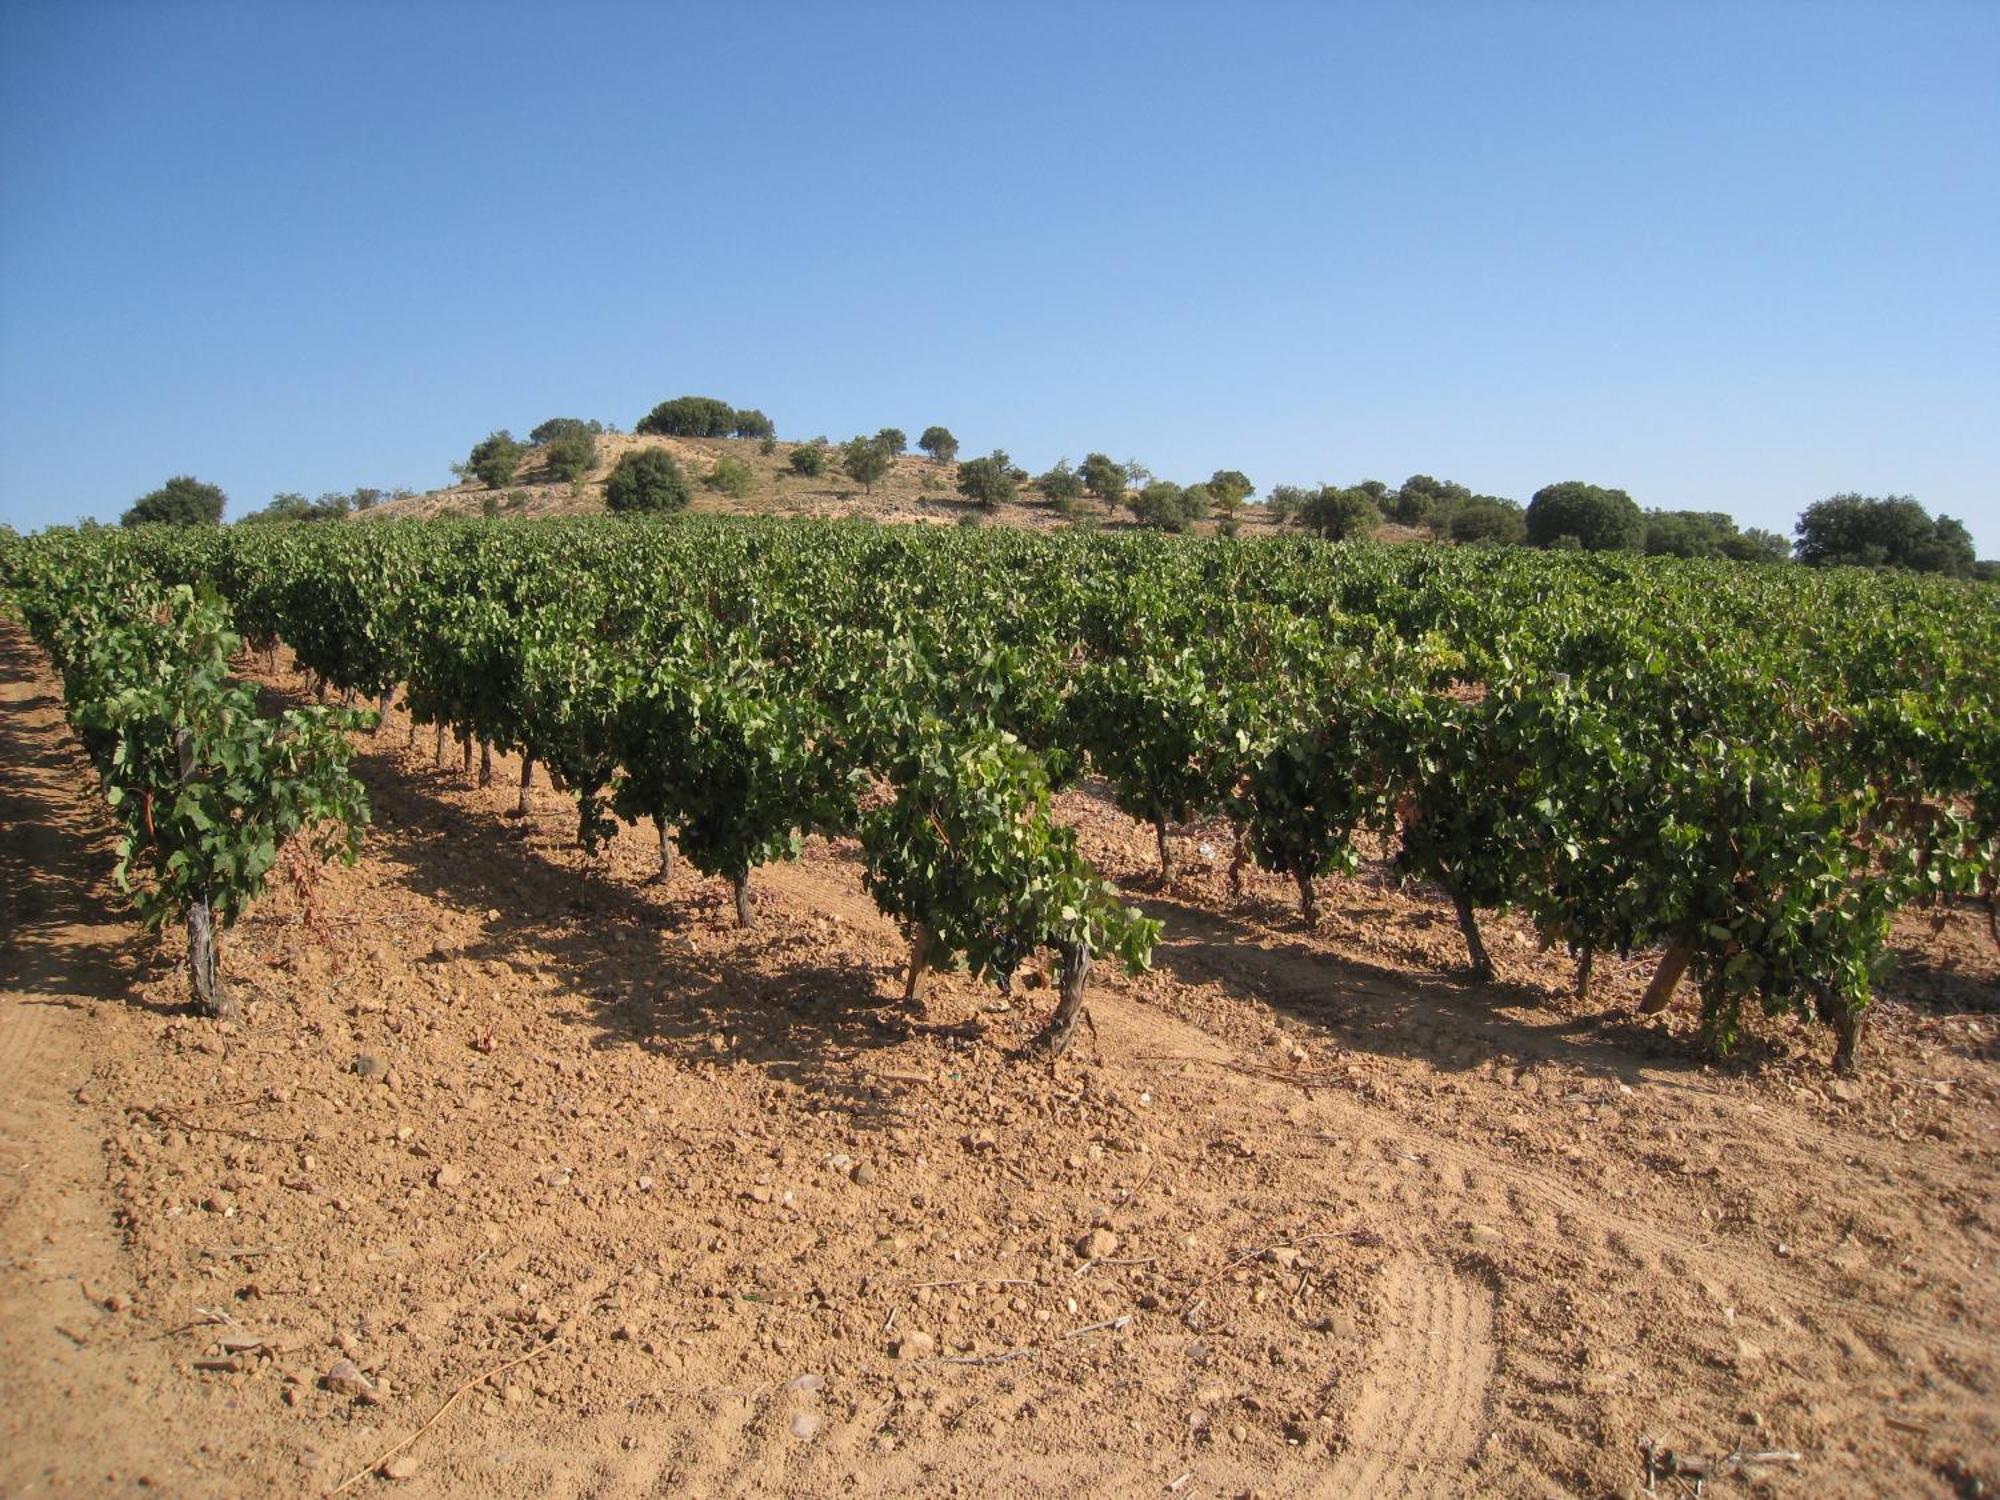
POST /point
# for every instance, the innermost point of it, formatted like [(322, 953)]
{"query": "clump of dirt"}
[(711, 1211)]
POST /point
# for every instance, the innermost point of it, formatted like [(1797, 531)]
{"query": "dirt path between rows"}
[(1360, 1226), (81, 1395)]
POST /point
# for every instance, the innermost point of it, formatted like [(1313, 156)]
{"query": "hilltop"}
[(916, 490)]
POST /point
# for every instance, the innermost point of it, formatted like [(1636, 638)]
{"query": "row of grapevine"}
[(1750, 770), (207, 788)]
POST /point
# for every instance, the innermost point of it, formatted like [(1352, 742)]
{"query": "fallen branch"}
[(1118, 1322), (432, 1420), (1026, 1351)]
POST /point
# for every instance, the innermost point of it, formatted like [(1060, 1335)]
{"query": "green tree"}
[(1062, 485), (1229, 488), (494, 458), (1488, 520), (556, 427), (1894, 532), (1286, 501), (689, 416), (1340, 514), (752, 424), (286, 505), (939, 444), (181, 501), (988, 481), (809, 459), (572, 453), (1103, 478), (893, 442), (1167, 506), (1759, 545), (1601, 520), (647, 479), (1422, 497), (864, 460)]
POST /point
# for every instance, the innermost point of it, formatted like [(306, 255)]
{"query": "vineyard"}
[(588, 1094), (1750, 772)]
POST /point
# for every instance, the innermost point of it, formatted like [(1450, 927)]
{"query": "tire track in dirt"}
[(1302, 980), (1419, 1419)]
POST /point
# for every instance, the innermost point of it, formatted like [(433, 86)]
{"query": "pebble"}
[(1097, 1245), (345, 1376), (448, 1177), (805, 1425), (1484, 1234), (804, 1383), (365, 1066), (913, 1345), (405, 1467), (863, 1174)]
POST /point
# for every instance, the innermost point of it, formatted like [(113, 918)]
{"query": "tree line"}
[(1843, 530)]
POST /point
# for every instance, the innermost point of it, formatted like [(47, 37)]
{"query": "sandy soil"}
[(1307, 1214)]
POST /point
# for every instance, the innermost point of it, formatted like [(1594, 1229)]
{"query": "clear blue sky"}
[(1726, 256)]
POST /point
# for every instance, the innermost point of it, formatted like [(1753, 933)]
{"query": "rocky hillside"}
[(916, 489)]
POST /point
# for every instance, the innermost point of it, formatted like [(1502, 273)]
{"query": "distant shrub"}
[(181, 501), (572, 453), (767, 445), (647, 480), (489, 506), (494, 458), (689, 416), (939, 444), (987, 481), (731, 476), (893, 442), (808, 460), (753, 424)]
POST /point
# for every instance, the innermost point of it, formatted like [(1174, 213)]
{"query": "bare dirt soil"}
[(1306, 1214)]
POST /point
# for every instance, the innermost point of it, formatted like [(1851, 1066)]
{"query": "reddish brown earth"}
[(1369, 1228)]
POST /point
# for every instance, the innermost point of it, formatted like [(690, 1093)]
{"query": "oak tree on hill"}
[(181, 501), (1893, 532), (1601, 520), (1062, 484), (689, 416), (987, 481), (865, 460), (939, 444), (1103, 478), (494, 458), (1340, 513)]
